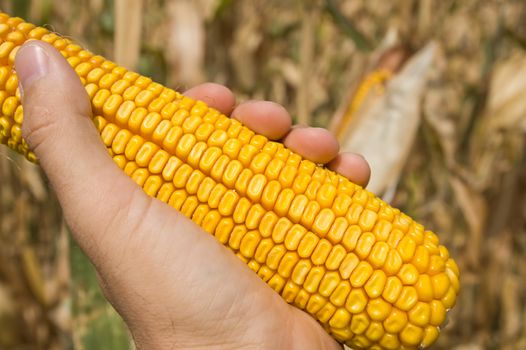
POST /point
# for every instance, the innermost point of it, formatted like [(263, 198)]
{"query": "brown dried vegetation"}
[(464, 174)]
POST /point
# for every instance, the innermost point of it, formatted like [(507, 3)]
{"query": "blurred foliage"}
[(465, 177)]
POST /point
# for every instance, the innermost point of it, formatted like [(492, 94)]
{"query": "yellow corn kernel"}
[(359, 324), (382, 229), (351, 236), (293, 236), (420, 314), (249, 244), (260, 162), (436, 265), (152, 185), (195, 154), (140, 176), (264, 247), (10, 105), (378, 309), (335, 257), (242, 211), (321, 252), (255, 187), (329, 283), (275, 255), (430, 336), (340, 292), (376, 283), (393, 262), (340, 319), (191, 123), (161, 131), (323, 221), (408, 274), (203, 131), (407, 298), (313, 279), (265, 273), (311, 211), (11, 85), (236, 236), (455, 283), (440, 284), (193, 181), (438, 313), (316, 303), (411, 335), (325, 313), (216, 194), (165, 192), (301, 182), (149, 124), (396, 321), (379, 254), (392, 290), (189, 206), (5, 127), (146, 153), (219, 165), (283, 202), (287, 264), (365, 245), (361, 274), (181, 175), (228, 203), (274, 168), (185, 145), (170, 168), (108, 134), (211, 220), (389, 341), (348, 265), (254, 215), (5, 49), (267, 224), (270, 194), (406, 248), (130, 167), (218, 138), (375, 331), (223, 230), (290, 292), (367, 220)]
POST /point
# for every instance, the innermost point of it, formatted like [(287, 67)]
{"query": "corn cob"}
[(372, 277)]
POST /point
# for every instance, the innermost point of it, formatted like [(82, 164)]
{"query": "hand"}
[(174, 285)]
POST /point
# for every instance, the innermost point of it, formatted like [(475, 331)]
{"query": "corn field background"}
[(454, 88)]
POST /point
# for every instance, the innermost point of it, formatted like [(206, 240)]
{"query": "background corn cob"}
[(369, 274)]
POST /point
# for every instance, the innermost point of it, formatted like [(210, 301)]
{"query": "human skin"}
[(174, 285)]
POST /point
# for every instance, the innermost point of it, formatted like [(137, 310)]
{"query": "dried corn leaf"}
[(186, 43), (128, 15), (385, 125), (506, 107)]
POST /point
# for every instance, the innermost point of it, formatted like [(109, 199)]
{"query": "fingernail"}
[(32, 64)]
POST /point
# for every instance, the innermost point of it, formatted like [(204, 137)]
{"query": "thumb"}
[(58, 128)]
